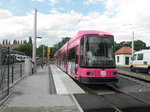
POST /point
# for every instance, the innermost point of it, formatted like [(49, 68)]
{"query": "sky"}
[(64, 18)]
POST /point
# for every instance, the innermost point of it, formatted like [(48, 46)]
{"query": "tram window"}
[(62, 56), (76, 56), (72, 54)]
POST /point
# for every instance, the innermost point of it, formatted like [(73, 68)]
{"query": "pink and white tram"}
[(89, 58)]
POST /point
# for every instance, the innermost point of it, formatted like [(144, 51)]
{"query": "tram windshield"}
[(97, 52)]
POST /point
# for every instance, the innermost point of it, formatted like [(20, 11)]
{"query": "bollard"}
[(12, 77), (20, 70)]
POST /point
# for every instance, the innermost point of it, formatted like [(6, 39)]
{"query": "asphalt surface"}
[(33, 94)]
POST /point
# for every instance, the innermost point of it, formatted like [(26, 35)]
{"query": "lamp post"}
[(132, 44), (43, 52), (34, 42), (132, 40)]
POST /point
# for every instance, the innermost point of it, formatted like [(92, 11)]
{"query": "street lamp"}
[(43, 52), (132, 40), (34, 41), (34, 54)]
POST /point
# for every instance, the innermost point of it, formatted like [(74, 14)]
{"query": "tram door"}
[(73, 61)]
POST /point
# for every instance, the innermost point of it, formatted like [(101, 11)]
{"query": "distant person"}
[(42, 65), (46, 63)]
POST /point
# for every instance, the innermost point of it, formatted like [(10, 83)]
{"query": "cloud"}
[(88, 2), (38, 0), (53, 2), (5, 14), (119, 18), (54, 11), (49, 26)]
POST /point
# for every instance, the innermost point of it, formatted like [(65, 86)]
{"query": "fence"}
[(10, 71)]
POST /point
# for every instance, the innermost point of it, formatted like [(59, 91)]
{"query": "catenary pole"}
[(132, 43), (34, 41)]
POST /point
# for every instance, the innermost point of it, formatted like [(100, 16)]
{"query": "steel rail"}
[(126, 93), (114, 89), (135, 80), (101, 96), (137, 77)]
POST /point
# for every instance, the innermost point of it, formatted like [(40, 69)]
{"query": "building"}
[(12, 46), (123, 56)]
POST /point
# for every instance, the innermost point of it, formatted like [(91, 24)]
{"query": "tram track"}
[(143, 80), (129, 94), (90, 91), (117, 92)]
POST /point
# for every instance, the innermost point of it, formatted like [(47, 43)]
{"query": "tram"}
[(89, 58)]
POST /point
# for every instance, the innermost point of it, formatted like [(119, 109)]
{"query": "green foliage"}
[(58, 45), (15, 42), (138, 45), (25, 42), (40, 51), (53, 50), (30, 40), (3, 42), (26, 48)]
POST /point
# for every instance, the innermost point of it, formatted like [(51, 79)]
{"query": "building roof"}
[(124, 50), (12, 46)]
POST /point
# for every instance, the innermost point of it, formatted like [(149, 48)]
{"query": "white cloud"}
[(5, 14), (125, 16), (54, 11), (121, 18), (88, 2), (38, 0), (53, 2)]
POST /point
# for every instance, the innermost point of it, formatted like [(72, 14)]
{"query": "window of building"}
[(117, 59)]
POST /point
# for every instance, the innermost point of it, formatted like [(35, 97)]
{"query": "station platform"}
[(32, 93)]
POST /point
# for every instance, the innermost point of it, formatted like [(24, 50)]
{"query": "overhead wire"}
[(86, 10)]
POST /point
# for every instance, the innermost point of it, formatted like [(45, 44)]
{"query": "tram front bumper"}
[(98, 80)]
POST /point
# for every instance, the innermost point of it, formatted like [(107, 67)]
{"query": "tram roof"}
[(86, 32)]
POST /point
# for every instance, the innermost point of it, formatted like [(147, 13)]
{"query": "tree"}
[(6, 42), (61, 43), (21, 42), (138, 45), (15, 42), (26, 48), (53, 51), (30, 40), (3, 41), (40, 51), (25, 42)]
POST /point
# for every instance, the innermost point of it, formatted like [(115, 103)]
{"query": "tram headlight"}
[(90, 73)]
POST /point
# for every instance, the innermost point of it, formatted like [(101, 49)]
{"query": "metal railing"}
[(10, 71)]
